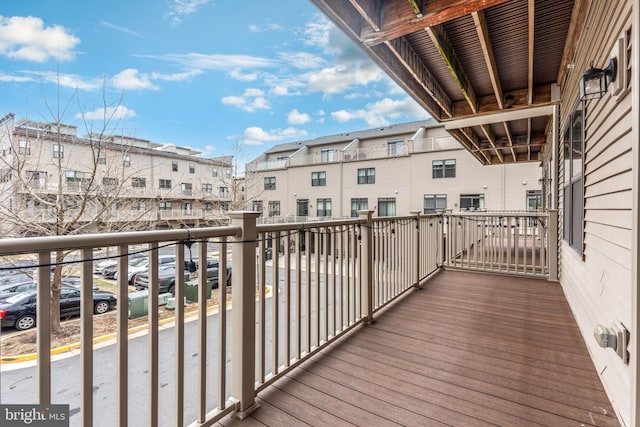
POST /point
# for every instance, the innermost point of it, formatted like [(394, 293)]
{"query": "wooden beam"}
[(473, 139), (489, 58), (578, 16), (405, 54), (397, 22), (488, 104), (532, 23), (499, 116), (462, 139), (510, 139), (371, 12), (492, 140), (447, 52), (418, 7)]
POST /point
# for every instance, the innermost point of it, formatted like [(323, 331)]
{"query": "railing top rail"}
[(307, 225), (501, 214), (52, 243)]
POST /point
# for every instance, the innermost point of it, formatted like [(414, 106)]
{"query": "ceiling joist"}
[(492, 140), (396, 23), (517, 99), (447, 52), (489, 58)]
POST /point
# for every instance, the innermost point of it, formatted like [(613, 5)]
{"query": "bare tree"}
[(55, 183)]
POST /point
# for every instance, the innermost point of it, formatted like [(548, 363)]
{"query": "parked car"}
[(99, 266), (110, 271), (167, 276), (12, 288), (19, 266), (19, 310), (143, 265)]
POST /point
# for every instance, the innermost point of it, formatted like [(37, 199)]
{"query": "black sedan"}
[(19, 310)]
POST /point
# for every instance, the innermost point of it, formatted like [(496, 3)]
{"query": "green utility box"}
[(138, 304), (191, 290), (163, 298)]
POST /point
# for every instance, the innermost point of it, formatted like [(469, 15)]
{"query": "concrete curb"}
[(103, 338), (189, 316)]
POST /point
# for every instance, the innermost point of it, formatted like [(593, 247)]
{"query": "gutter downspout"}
[(635, 209)]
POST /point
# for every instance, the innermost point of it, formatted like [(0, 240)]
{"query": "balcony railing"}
[(296, 288)]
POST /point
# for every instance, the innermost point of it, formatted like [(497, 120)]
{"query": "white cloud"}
[(302, 60), (251, 100), (176, 77), (131, 79), (261, 29), (119, 28), (380, 113), (219, 62), (208, 151), (110, 113), (257, 136), (69, 80), (16, 79), (341, 78), (178, 9), (27, 38), (297, 118), (243, 77)]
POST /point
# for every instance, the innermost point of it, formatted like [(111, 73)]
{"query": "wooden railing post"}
[(243, 314), (552, 245), (416, 250), (366, 253)]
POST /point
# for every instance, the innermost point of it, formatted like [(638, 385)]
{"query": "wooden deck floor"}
[(467, 350)]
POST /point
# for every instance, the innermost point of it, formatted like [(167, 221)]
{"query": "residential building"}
[(392, 170), (104, 182)]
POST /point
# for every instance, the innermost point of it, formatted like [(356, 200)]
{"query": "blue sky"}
[(221, 76)]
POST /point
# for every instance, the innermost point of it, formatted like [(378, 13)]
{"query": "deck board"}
[(467, 349)]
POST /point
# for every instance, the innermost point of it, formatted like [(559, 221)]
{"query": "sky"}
[(225, 77)]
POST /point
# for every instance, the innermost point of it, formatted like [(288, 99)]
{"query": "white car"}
[(144, 266)]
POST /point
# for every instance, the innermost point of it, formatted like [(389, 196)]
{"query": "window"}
[(534, 200), (187, 208), (214, 172), (165, 183), (174, 166), (573, 178), (102, 158), (137, 182), (367, 176), (323, 207), (444, 168), (138, 206), (58, 151), (302, 207), (110, 182), (318, 179), (126, 160), (282, 157), (326, 155), (270, 183), (387, 206), (472, 201), (274, 208), (227, 173), (165, 206), (359, 204), (224, 207), (186, 188), (224, 192), (257, 206), (207, 206), (434, 203), (395, 147), (207, 188), (24, 147), (192, 168)]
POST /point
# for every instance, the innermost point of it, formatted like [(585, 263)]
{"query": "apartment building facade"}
[(392, 170), (50, 175)]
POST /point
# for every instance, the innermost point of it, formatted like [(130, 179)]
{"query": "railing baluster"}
[(179, 328), (275, 300), (317, 247), (43, 334), (153, 333), (86, 336), (223, 274), (202, 338), (325, 306), (122, 360), (261, 306), (308, 293), (299, 242), (287, 299)]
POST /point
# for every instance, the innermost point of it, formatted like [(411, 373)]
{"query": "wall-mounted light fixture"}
[(594, 81)]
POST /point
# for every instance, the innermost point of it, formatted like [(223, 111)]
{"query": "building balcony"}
[(360, 321)]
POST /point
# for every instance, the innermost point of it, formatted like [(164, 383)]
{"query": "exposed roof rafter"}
[(492, 140)]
